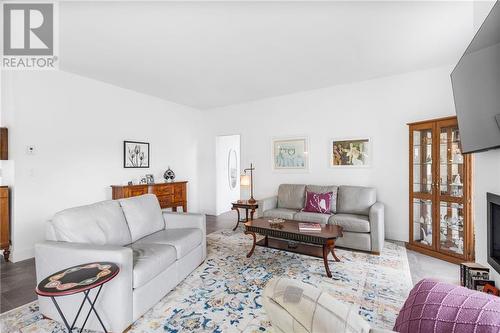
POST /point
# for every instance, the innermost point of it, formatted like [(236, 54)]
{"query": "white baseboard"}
[(17, 255)]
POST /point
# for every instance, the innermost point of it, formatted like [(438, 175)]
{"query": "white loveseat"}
[(154, 249), (354, 208)]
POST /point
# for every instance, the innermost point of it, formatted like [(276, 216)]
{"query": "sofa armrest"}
[(175, 220), (267, 204), (115, 301), (187, 220), (377, 226)]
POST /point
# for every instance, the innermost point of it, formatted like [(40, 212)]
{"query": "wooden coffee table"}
[(313, 243)]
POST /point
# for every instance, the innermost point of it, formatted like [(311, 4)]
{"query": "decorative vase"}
[(169, 175)]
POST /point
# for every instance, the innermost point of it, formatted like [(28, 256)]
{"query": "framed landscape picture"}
[(350, 152), (291, 154), (135, 154)]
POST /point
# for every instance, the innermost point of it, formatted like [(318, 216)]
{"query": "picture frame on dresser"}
[(136, 154)]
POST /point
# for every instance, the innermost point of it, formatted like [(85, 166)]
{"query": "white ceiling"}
[(208, 54)]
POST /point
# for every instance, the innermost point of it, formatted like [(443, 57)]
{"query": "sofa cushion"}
[(150, 260), (351, 222), (184, 240), (326, 189), (355, 199), (318, 202), (143, 214), (439, 307), (101, 223), (281, 213), (291, 196), (312, 217)]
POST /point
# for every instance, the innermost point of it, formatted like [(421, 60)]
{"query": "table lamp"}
[(246, 180)]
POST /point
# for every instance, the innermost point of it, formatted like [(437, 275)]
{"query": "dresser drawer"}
[(165, 200), (136, 191), (163, 190)]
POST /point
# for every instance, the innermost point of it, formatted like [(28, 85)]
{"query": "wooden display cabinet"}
[(440, 187)]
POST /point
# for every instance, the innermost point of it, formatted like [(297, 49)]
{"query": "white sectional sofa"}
[(155, 250)]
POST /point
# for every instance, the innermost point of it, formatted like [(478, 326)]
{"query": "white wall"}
[(78, 126), (486, 179), (379, 109), (486, 172)]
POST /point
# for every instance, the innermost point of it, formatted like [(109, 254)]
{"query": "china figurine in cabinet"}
[(440, 192)]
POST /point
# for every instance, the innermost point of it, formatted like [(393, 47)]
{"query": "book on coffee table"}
[(309, 227)]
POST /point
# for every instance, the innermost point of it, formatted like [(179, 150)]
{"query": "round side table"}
[(78, 279)]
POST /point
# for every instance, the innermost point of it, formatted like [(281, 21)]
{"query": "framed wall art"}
[(135, 154), (353, 152), (291, 154)]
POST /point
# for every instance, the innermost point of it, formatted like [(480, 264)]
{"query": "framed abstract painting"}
[(135, 154), (291, 154), (355, 152)]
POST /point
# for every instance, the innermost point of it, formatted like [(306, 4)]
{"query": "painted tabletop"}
[(77, 279)]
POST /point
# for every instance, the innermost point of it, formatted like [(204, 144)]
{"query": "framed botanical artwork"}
[(355, 152), (291, 154), (135, 154)]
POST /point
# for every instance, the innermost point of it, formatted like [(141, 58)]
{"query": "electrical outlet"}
[(30, 150)]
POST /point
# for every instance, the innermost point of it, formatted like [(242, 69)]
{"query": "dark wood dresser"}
[(5, 221), (170, 195)]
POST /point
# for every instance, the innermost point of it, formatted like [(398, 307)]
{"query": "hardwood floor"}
[(18, 281)]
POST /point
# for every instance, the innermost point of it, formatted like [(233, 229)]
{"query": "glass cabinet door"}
[(422, 161), (422, 186), (422, 222), (451, 189), (451, 233)]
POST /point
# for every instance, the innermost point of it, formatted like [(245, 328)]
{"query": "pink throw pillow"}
[(318, 202)]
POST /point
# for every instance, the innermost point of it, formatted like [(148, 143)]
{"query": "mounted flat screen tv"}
[(476, 88)]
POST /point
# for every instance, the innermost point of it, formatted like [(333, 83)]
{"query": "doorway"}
[(227, 172)]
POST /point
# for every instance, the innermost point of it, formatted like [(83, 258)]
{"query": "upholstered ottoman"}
[(293, 306)]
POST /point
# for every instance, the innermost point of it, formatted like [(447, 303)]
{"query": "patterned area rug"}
[(224, 293)]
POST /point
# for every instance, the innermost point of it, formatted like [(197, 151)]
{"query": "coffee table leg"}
[(253, 245), (326, 250), (238, 220), (332, 250)]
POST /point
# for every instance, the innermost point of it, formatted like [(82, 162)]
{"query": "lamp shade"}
[(244, 180)]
